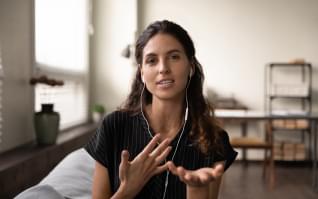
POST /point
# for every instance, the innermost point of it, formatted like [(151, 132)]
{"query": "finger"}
[(197, 178), (219, 170), (181, 172), (150, 146), (215, 172), (163, 155), (204, 176), (124, 158), (161, 169), (188, 177), (172, 168), (124, 163), (191, 177), (177, 171), (162, 146)]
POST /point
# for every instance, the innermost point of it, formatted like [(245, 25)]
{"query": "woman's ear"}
[(192, 67)]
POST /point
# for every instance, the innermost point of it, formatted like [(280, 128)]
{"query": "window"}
[(61, 52)]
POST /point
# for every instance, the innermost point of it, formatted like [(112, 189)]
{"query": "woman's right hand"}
[(135, 174)]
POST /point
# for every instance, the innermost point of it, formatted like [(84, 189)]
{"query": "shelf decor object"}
[(46, 124), (46, 121)]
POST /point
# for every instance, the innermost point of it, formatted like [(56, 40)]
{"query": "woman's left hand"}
[(197, 178)]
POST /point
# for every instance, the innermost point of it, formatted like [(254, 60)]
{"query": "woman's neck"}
[(165, 118)]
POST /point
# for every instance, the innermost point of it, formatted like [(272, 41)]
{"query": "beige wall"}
[(16, 41), (115, 25), (235, 39)]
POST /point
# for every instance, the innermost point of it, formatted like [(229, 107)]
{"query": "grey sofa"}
[(71, 178)]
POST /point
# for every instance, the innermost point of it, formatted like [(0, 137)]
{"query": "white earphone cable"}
[(183, 126)]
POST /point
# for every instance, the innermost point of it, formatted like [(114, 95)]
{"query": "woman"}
[(164, 142)]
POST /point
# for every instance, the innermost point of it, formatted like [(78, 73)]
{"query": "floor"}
[(246, 182)]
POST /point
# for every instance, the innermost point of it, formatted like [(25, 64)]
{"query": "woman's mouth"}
[(165, 82)]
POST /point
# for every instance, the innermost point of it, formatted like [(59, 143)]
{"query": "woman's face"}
[(165, 67)]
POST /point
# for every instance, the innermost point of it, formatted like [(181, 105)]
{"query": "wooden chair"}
[(262, 144)]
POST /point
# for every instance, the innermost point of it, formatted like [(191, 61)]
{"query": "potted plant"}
[(46, 121), (98, 112)]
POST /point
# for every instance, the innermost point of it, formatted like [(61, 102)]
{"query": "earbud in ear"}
[(142, 79), (191, 72)]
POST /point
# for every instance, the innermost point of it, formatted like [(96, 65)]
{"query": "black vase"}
[(46, 123)]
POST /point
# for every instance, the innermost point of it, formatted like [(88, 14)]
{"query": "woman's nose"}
[(164, 67)]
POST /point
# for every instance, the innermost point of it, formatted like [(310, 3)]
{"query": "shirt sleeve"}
[(99, 146), (228, 154)]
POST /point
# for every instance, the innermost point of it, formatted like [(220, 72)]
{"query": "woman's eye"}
[(151, 61), (175, 57)]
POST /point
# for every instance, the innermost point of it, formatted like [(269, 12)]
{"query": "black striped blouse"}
[(121, 130)]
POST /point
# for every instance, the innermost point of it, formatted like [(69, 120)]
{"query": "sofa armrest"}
[(71, 178)]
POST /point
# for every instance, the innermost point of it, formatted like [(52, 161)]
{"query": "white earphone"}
[(191, 72), (142, 79)]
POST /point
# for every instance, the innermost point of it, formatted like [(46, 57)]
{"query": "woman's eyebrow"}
[(151, 54), (174, 51)]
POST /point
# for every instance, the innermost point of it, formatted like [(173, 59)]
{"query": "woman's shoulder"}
[(117, 117), (229, 154), (224, 138), (223, 135)]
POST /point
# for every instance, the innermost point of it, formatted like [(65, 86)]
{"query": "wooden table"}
[(246, 116)]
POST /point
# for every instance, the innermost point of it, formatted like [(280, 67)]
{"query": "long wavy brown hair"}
[(205, 129)]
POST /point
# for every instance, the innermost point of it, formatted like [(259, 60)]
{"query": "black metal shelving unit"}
[(273, 95)]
